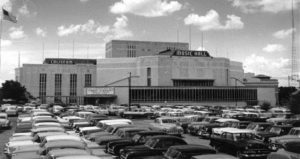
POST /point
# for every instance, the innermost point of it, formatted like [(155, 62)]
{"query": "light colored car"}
[(85, 157), (54, 154), (11, 110), (4, 121), (60, 145), (61, 137), (168, 125), (11, 146)]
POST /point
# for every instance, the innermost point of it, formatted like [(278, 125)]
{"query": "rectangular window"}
[(42, 87), (88, 80), (73, 88), (57, 88), (148, 76)]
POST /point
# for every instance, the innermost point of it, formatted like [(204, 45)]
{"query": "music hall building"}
[(144, 72)]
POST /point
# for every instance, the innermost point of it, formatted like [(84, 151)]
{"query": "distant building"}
[(57, 79), (161, 73), (125, 48)]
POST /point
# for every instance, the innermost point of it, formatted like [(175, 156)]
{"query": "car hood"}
[(283, 137), (267, 134), (120, 142), (250, 142)]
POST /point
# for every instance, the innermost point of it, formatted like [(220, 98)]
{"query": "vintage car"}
[(273, 131), (187, 151), (84, 114), (123, 133), (289, 150), (137, 113), (207, 129), (103, 123), (154, 146), (46, 129), (10, 147), (94, 118), (247, 116), (168, 125), (60, 145), (84, 157), (53, 154), (140, 138), (239, 142), (258, 127), (11, 110), (4, 121), (61, 137), (275, 142), (85, 131), (109, 130), (214, 156), (194, 127), (114, 109)]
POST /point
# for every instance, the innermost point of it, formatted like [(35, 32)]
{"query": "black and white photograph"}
[(149, 79)]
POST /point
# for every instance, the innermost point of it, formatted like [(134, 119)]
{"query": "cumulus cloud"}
[(260, 64), (119, 29), (90, 27), (211, 21), (24, 11), (17, 33), (6, 4), (146, 8), (281, 34), (40, 32), (5, 43), (274, 48), (272, 6)]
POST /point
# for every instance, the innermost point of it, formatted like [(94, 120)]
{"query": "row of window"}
[(192, 94), (193, 83), (58, 86)]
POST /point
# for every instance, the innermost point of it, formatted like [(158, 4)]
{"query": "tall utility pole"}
[(129, 91)]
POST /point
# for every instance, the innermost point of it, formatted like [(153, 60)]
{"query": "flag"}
[(8, 16)]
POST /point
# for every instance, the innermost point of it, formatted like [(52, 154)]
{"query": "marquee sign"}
[(99, 91), (64, 61), (191, 53)]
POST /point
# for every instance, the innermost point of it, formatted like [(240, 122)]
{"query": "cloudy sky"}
[(255, 32)]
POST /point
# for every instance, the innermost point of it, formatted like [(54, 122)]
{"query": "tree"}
[(265, 105), (294, 103), (284, 94), (13, 90)]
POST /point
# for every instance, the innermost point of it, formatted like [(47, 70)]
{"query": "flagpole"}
[(1, 42)]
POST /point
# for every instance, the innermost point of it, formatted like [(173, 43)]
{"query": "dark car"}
[(240, 142), (124, 133), (253, 117), (138, 139), (154, 146), (273, 131), (187, 151), (289, 150)]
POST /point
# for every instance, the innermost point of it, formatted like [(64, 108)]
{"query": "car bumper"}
[(254, 155)]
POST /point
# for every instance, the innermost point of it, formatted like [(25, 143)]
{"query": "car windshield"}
[(251, 126), (151, 143), (294, 132), (243, 136), (275, 130)]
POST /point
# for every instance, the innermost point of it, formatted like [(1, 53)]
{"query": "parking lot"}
[(5, 134)]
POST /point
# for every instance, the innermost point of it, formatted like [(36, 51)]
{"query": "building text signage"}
[(65, 61), (191, 53), (99, 91), (68, 62)]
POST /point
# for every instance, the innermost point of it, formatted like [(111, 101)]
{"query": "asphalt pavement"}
[(5, 134)]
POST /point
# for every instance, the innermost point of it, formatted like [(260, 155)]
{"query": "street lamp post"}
[(129, 91)]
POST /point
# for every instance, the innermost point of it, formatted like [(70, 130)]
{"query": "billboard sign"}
[(99, 91)]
